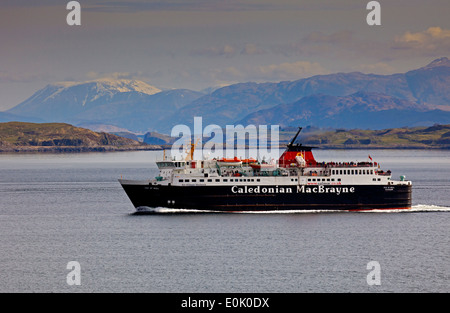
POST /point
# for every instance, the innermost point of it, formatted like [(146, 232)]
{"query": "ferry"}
[(295, 182)]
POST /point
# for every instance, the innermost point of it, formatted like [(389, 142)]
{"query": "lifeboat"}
[(249, 161), (229, 162), (264, 166)]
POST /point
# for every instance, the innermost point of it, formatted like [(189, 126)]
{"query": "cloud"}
[(115, 75), (285, 71), (271, 72), (8, 77), (346, 45), (317, 43), (431, 34), (133, 6), (226, 50), (252, 49), (434, 41), (340, 37), (191, 5)]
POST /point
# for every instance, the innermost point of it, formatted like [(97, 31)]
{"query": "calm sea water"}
[(60, 208)]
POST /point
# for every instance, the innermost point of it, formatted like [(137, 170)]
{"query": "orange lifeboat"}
[(230, 162), (249, 161)]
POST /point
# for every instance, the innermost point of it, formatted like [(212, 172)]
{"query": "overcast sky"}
[(196, 44)]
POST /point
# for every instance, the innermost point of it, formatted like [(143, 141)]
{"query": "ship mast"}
[(190, 155), (290, 144)]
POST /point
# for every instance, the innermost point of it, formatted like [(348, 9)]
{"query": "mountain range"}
[(340, 100)]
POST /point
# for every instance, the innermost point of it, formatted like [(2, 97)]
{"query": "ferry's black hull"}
[(269, 198)]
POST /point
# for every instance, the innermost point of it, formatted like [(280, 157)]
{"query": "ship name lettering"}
[(259, 189), (324, 189)]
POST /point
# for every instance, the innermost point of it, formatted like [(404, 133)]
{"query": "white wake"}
[(415, 209)]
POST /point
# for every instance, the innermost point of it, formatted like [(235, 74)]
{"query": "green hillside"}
[(434, 137), (60, 137)]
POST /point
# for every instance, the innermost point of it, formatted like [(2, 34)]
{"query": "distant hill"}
[(350, 100), (427, 87), (434, 137), (430, 84), (359, 110), (59, 137), (154, 138), (9, 117)]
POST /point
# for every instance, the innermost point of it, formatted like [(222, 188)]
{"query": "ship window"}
[(345, 172), (225, 180), (187, 180), (328, 179), (364, 172), (360, 172), (379, 179), (314, 179), (340, 172), (339, 179), (332, 179), (194, 180), (217, 180), (374, 179), (202, 180), (209, 180), (180, 180), (353, 172), (258, 179)]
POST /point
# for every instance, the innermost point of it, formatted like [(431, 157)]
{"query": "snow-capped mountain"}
[(120, 102), (60, 100)]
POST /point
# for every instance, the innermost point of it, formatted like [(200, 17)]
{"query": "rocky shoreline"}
[(73, 149), (17, 137)]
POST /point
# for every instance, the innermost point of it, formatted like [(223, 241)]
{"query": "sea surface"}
[(59, 208)]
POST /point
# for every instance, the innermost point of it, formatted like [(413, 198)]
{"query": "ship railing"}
[(343, 164)]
